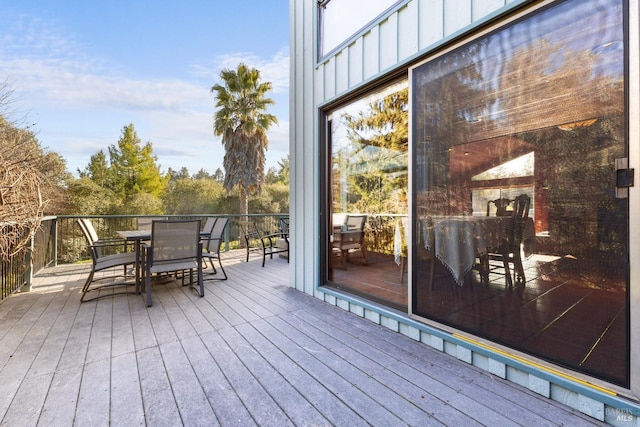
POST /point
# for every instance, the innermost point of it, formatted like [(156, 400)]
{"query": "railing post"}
[(54, 239), (27, 278)]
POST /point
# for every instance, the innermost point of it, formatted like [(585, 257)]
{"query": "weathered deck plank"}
[(253, 351)]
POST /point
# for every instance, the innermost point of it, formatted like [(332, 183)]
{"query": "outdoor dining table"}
[(460, 239)]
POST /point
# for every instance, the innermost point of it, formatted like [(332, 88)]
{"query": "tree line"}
[(127, 180)]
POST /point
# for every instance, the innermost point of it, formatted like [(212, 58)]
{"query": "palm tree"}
[(241, 119)]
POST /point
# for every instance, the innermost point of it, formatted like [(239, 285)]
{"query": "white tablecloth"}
[(460, 239)]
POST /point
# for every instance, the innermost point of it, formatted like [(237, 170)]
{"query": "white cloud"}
[(58, 80)]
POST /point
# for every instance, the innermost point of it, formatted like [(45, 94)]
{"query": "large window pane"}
[(534, 109), (368, 197), (340, 19)]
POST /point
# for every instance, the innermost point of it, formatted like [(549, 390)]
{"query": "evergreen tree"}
[(133, 166)]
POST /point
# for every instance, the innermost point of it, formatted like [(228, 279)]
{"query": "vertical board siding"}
[(330, 78), (457, 15), (430, 14), (342, 71), (389, 42), (371, 53), (408, 30), (482, 8), (356, 64)]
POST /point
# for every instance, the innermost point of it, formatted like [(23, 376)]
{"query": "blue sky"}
[(82, 70)]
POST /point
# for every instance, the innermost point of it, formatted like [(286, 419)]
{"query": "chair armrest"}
[(272, 236), (110, 240), (107, 244)]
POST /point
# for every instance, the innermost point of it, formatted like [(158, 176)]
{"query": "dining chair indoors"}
[(105, 254), (351, 239), (174, 247), (510, 250), (211, 244), (500, 206)]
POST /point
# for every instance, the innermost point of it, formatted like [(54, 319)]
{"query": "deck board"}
[(252, 351)]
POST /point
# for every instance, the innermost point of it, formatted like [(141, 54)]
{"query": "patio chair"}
[(211, 244), (276, 242), (174, 247), (251, 236), (351, 239), (268, 241), (105, 254)]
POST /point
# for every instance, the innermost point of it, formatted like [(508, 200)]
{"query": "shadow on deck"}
[(253, 351)]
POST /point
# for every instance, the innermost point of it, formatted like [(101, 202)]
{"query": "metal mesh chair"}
[(351, 240), (105, 254), (510, 250), (174, 247), (211, 244)]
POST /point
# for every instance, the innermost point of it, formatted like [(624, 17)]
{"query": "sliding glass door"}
[(532, 112)]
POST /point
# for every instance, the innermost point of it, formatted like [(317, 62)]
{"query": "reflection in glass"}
[(340, 19), (537, 109), (368, 197)]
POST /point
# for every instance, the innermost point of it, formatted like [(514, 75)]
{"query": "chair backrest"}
[(91, 236), (284, 226), (212, 244), (355, 222), (208, 226), (88, 230), (521, 206), (174, 240), (519, 216), (250, 231), (501, 207)]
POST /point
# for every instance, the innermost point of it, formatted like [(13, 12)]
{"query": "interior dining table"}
[(459, 240)]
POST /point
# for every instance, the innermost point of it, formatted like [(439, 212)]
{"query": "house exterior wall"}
[(401, 36)]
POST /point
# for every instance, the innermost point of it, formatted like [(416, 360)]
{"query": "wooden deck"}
[(253, 351)]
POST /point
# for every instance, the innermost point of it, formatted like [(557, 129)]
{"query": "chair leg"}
[(518, 267), (432, 272), (221, 268), (507, 271), (201, 280), (147, 288), (484, 268), (213, 266), (215, 270), (85, 288)]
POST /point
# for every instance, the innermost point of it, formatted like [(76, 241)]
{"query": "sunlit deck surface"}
[(253, 351)]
